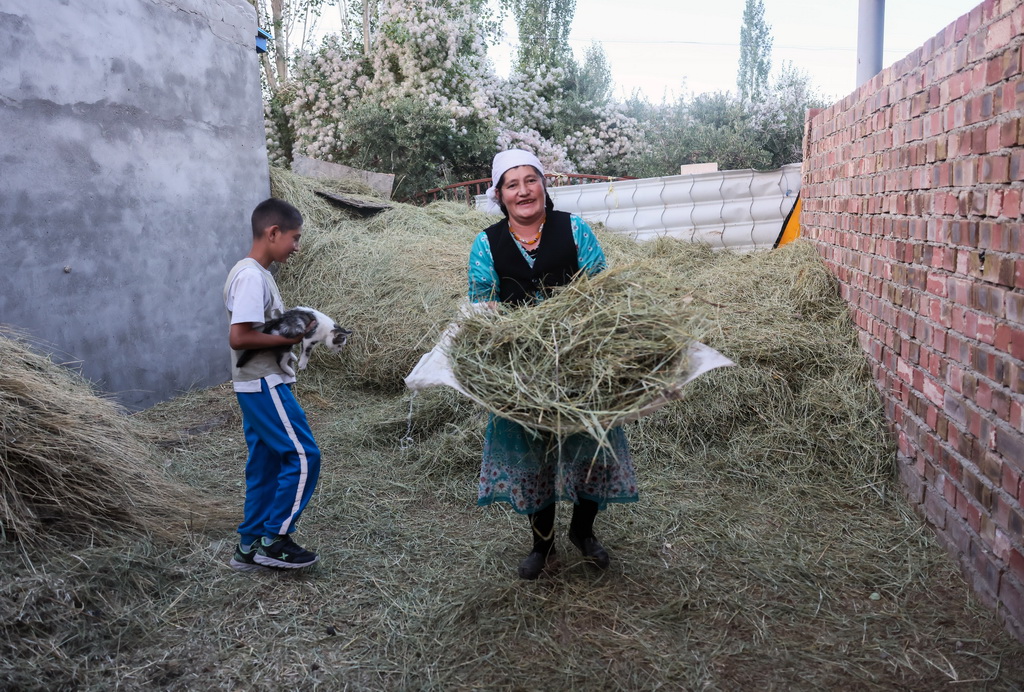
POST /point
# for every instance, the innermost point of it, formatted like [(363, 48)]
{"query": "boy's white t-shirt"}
[(250, 298)]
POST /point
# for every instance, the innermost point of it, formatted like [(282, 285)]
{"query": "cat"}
[(327, 332), (294, 322)]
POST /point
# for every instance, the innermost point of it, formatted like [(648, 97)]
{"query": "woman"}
[(517, 261)]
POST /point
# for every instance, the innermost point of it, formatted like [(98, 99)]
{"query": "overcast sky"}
[(683, 46)]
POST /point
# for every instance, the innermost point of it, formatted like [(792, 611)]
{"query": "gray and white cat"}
[(294, 322)]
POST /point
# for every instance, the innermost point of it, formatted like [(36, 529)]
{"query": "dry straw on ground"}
[(800, 398), (599, 351), (771, 548), (714, 584)]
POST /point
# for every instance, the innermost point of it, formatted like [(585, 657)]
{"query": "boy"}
[(284, 460)]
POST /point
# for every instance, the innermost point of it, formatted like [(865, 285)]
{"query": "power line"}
[(646, 42)]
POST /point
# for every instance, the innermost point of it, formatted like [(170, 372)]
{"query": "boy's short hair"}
[(275, 212)]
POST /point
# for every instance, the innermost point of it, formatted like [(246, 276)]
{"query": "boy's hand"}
[(310, 329)]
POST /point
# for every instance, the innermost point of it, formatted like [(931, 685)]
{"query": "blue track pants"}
[(283, 464)]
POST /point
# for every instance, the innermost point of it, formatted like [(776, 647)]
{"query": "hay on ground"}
[(712, 586), (74, 464), (766, 552), (800, 398)]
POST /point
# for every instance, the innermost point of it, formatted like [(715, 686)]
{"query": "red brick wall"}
[(912, 190)]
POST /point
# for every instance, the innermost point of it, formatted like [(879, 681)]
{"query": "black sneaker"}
[(284, 553), (245, 561)]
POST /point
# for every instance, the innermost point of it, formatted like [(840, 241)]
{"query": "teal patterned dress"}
[(528, 469)]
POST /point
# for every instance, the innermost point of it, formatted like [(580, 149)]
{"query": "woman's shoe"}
[(535, 563), (592, 550)]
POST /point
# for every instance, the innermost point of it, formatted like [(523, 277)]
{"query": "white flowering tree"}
[(557, 107), (407, 88), (415, 105), (778, 119), (292, 24), (598, 132)]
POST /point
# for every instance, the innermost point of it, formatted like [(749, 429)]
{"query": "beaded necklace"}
[(528, 243)]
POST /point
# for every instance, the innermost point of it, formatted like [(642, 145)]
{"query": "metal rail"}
[(468, 190)]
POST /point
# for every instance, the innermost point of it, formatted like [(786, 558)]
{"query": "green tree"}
[(709, 128), (719, 127), (755, 53), (544, 27), (591, 81)]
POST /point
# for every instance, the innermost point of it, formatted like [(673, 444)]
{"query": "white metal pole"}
[(870, 34)]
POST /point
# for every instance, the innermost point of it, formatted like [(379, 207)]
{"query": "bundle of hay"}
[(73, 464), (599, 351), (395, 278)]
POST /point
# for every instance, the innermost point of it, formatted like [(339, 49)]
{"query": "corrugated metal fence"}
[(742, 210)]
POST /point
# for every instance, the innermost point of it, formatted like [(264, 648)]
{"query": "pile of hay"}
[(599, 351), (395, 279), (74, 464), (801, 398), (800, 582)]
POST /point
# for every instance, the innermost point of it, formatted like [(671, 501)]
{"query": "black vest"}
[(556, 262)]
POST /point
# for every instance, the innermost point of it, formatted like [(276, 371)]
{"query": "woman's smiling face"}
[(522, 194)]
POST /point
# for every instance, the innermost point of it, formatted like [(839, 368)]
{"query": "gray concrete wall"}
[(132, 151)]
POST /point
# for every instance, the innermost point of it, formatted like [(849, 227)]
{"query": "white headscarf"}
[(506, 160)]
